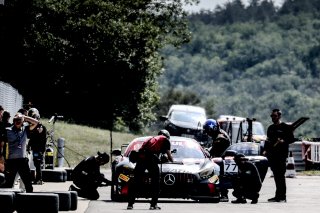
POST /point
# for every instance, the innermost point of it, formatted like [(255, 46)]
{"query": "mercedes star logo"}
[(169, 179)]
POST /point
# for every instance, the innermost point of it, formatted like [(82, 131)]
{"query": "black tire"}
[(50, 175), (74, 200), (64, 199), (15, 190), (115, 194), (7, 202), (69, 173), (37, 202)]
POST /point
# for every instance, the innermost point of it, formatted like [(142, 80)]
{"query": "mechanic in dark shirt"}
[(220, 142), (37, 144), (86, 176), (148, 160), (248, 183), (279, 136)]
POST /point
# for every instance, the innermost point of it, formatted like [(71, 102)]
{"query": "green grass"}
[(83, 141), (309, 173)]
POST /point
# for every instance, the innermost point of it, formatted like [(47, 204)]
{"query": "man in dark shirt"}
[(148, 160), (37, 144), (279, 136), (248, 183), (86, 176)]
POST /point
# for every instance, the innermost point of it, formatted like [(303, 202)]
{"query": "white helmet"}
[(34, 113)]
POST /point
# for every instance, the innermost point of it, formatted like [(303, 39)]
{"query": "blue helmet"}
[(211, 125)]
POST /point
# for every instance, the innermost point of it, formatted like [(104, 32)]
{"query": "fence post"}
[(60, 152)]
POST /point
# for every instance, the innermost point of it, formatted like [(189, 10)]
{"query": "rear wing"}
[(299, 122)]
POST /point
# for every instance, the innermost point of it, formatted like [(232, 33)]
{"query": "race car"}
[(229, 169), (192, 175)]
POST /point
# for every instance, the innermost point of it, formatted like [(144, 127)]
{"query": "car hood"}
[(186, 165), (188, 125), (189, 165)]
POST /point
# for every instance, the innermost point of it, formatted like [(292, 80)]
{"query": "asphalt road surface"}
[(303, 196)]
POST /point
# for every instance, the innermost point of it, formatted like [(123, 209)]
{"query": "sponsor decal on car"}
[(214, 179), (124, 177)]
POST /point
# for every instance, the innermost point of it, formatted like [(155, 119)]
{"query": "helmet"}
[(103, 157), (165, 133), (34, 113), (211, 125)]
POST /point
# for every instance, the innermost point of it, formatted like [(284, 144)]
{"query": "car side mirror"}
[(163, 118)]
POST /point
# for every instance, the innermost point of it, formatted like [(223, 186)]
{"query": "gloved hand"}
[(164, 159)]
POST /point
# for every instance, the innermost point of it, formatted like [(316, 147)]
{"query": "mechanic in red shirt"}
[(149, 159)]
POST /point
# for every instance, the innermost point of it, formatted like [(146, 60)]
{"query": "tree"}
[(99, 58)]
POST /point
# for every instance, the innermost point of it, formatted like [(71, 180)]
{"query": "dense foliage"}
[(100, 61), (97, 61), (250, 65)]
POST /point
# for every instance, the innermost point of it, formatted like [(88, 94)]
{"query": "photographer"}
[(17, 161)]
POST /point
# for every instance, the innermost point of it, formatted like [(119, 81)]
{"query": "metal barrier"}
[(10, 99), (311, 154)]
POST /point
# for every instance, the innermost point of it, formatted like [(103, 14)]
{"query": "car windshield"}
[(191, 117), (248, 149), (186, 150), (183, 148)]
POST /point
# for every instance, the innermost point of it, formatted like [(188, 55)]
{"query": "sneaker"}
[(38, 182), (274, 199), (224, 199), (72, 188), (239, 200), (154, 207), (129, 207)]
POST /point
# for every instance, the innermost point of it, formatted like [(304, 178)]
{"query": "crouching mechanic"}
[(86, 176), (248, 183), (220, 142)]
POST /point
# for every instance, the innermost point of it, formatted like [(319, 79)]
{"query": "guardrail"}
[(311, 155)]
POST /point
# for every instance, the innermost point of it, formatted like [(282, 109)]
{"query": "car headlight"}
[(206, 172)]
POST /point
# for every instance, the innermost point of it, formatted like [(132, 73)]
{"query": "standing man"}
[(148, 160), (16, 159), (279, 136), (220, 142), (37, 144)]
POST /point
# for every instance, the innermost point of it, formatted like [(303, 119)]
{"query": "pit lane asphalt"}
[(303, 196)]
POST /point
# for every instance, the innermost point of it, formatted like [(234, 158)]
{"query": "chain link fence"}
[(10, 99)]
